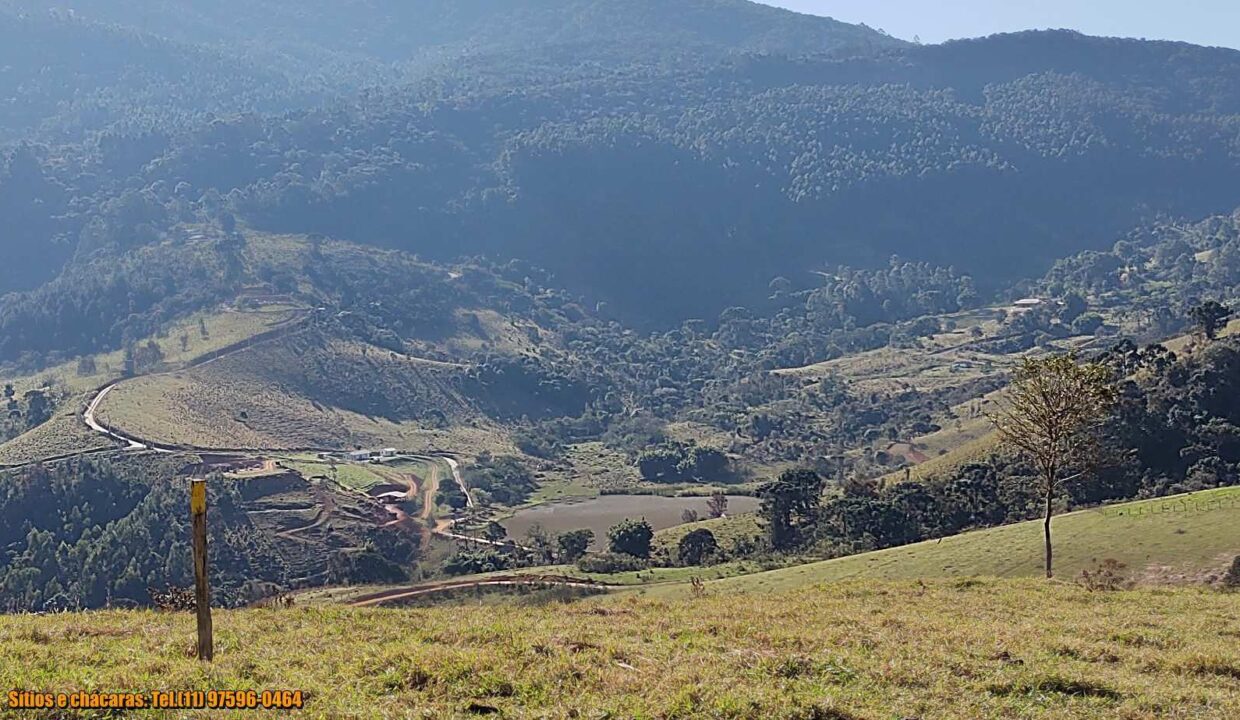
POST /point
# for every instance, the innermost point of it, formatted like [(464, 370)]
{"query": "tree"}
[(38, 409), (1074, 306), (659, 464), (631, 537), (688, 515), (790, 504), (540, 542), (494, 532), (1049, 414), (87, 366), (1209, 317), (1231, 580), (704, 463), (452, 496), (574, 544), (696, 547), (717, 505), (10, 403)]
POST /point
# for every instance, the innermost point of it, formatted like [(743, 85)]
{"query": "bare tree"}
[(1048, 414)]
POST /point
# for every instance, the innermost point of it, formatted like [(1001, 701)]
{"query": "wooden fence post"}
[(202, 589)]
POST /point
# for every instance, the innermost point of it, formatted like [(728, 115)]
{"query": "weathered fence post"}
[(202, 596)]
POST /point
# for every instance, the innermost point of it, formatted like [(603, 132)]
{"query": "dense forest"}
[(707, 179)]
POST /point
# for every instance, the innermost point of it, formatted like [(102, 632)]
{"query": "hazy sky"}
[(1205, 22)]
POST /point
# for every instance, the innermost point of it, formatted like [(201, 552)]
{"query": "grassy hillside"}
[(306, 391), (1192, 541), (70, 384), (1188, 536), (853, 651)]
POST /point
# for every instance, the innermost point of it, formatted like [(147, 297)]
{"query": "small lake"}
[(601, 513)]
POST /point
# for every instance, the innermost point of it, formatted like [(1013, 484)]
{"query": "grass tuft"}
[(1058, 685)]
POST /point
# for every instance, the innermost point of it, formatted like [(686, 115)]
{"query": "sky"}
[(1204, 22)]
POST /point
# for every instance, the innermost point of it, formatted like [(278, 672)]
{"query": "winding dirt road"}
[(88, 416)]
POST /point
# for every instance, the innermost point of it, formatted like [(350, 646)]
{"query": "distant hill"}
[(61, 75), (704, 148), (397, 31)]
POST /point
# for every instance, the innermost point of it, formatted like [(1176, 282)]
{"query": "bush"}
[(574, 544), (610, 563), (1231, 580), (1106, 576), (697, 547)]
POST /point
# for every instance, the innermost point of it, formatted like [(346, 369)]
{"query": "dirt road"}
[(88, 416), (504, 581), (133, 443)]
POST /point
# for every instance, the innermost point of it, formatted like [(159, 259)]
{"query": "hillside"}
[(1178, 539), (850, 651), (995, 156), (1183, 540), (308, 390), (581, 248)]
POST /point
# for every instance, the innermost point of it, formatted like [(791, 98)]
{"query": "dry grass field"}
[(978, 650), (272, 396)]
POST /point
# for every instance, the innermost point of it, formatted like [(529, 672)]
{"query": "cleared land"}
[(224, 327), (351, 476), (601, 513), (853, 651), (70, 384), (302, 392)]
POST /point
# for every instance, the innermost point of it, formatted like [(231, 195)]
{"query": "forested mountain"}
[(401, 31), (667, 189), (61, 76)]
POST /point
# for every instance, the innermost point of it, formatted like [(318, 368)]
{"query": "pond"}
[(601, 513)]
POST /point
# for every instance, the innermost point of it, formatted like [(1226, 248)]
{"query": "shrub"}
[(1106, 576), (174, 599), (610, 563), (574, 543), (697, 547)]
